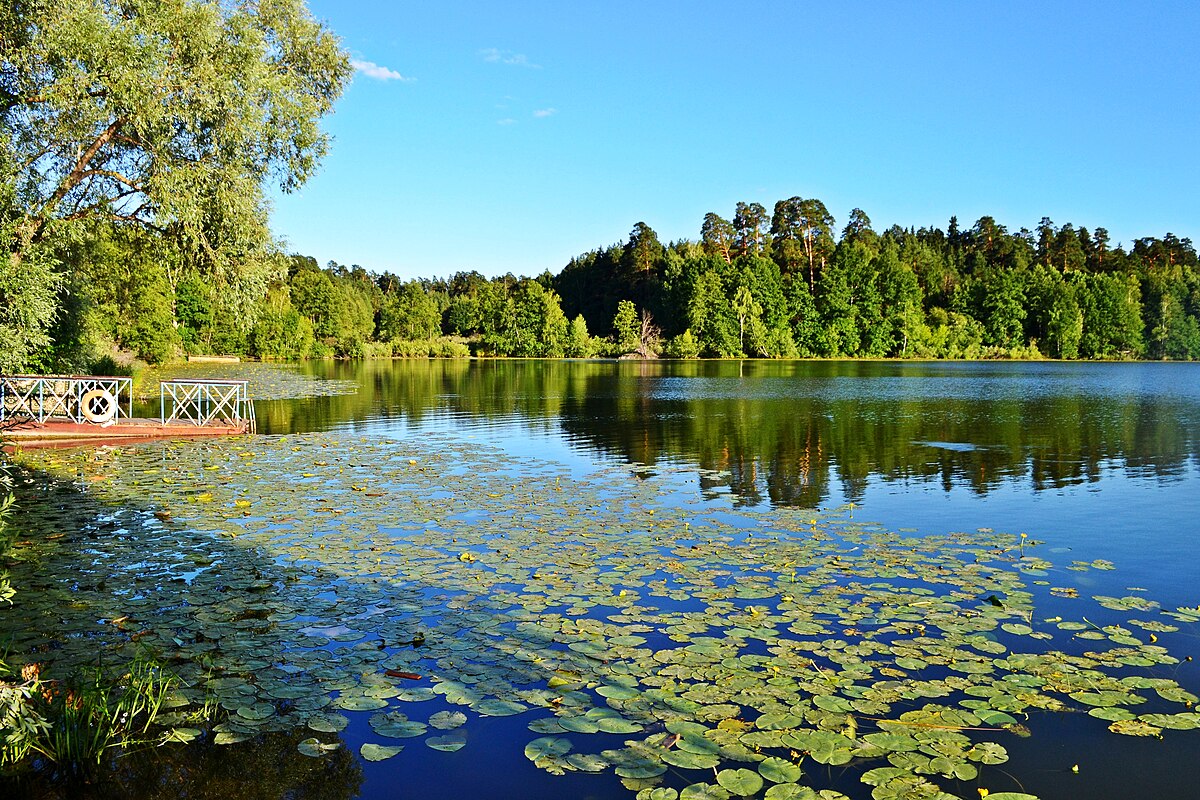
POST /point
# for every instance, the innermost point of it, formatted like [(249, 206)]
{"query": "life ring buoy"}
[(98, 406)]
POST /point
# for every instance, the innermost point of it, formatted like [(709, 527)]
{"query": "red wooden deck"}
[(56, 432)]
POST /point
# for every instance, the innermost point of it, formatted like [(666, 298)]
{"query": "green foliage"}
[(409, 314), (441, 347), (30, 278), (683, 346), (281, 332), (1001, 305), (194, 311), (711, 317), (627, 327), (22, 727), (1112, 316), (93, 713), (579, 343), (167, 121)]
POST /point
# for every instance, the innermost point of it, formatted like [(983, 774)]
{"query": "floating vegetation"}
[(426, 584), (266, 381)]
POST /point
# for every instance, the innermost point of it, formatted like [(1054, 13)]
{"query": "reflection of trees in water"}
[(765, 443), (266, 768)]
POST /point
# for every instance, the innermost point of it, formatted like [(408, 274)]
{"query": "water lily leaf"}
[(1111, 713), (788, 791), (746, 633), (954, 768), (892, 742), (703, 791), (992, 717), (617, 725), (831, 702), (457, 693), (358, 703), (315, 748), (741, 782), (641, 769), (587, 762), (328, 723), (395, 725), (447, 743), (825, 747), (1176, 694), (1176, 722), (693, 740), (447, 720), (778, 770), (1134, 727), (686, 760), (378, 752), (182, 735), (258, 711), (547, 746), (417, 694), (497, 708), (988, 753), (778, 721), (1107, 697), (658, 793), (232, 737), (618, 692), (881, 775), (579, 724)]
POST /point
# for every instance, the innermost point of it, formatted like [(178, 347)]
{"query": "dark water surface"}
[(1093, 461)]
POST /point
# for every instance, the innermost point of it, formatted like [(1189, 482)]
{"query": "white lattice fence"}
[(79, 398)]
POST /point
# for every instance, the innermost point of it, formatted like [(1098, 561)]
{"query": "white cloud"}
[(542, 113), (379, 73), (496, 56), (506, 121)]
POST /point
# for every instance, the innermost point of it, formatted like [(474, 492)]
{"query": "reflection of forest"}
[(266, 769), (787, 430)]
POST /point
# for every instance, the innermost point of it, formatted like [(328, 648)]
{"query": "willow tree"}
[(168, 115)]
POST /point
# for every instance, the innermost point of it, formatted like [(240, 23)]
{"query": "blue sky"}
[(509, 137)]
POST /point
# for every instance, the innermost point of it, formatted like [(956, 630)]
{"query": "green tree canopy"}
[(170, 117)]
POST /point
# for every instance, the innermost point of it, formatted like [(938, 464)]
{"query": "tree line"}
[(779, 285)]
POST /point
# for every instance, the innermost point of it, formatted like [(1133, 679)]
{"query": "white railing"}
[(79, 398), (202, 402)]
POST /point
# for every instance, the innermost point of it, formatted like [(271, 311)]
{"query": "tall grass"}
[(94, 714)]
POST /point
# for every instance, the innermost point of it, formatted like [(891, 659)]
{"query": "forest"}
[(784, 284)]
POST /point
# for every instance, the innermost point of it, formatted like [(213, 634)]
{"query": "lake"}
[(656, 577)]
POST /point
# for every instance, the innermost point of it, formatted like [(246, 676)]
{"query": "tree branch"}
[(116, 176), (75, 176)]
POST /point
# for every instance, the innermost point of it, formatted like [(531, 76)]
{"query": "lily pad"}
[(378, 752), (448, 720), (741, 782), (315, 748), (448, 742)]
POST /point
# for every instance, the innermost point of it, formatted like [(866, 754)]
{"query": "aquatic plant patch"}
[(266, 381), (692, 650)]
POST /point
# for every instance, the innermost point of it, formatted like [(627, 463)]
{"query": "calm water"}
[(1101, 458), (1096, 461)]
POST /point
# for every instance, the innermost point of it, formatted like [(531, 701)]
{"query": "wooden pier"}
[(69, 410)]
